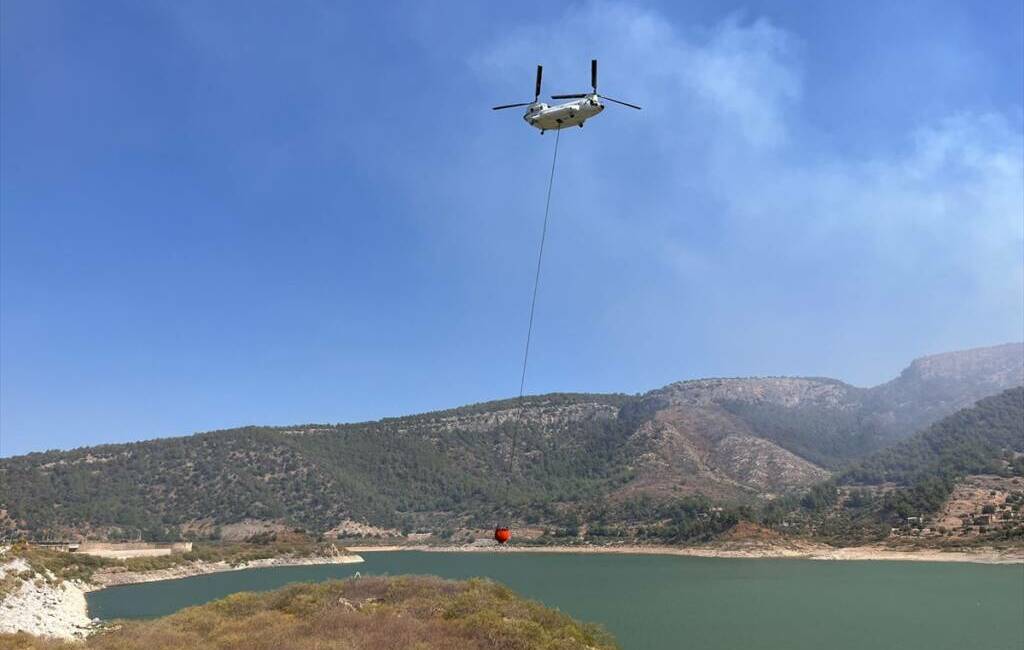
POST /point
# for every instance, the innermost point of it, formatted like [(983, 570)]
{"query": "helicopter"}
[(575, 113)]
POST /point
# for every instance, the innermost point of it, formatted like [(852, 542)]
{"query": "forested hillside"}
[(389, 473), (977, 451), (660, 462), (985, 439), (846, 423)]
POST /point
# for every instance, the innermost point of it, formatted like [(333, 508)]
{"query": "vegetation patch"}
[(357, 614), (897, 492)]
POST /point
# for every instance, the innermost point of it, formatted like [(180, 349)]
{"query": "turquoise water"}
[(665, 602)]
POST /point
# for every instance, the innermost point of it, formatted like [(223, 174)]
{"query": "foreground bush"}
[(421, 613)]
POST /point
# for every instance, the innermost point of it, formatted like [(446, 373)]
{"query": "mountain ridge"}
[(728, 440)]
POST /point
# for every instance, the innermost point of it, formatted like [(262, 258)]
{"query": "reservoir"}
[(671, 602)]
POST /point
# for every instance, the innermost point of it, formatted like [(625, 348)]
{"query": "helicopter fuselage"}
[(574, 113)]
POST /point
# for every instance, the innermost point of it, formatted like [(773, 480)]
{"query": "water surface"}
[(671, 603)]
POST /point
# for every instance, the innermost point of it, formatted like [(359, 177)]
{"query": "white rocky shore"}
[(43, 606)]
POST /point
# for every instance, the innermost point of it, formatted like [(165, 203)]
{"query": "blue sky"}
[(217, 214)]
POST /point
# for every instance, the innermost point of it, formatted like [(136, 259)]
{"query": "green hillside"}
[(385, 472), (917, 476), (987, 438), (678, 463)]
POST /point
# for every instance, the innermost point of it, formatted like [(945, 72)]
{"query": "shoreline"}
[(60, 610), (113, 578), (802, 552)]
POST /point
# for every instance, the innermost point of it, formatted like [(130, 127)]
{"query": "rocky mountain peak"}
[(783, 391), (1001, 365)]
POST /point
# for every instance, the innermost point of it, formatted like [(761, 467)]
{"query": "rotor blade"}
[(576, 96), (593, 74), (498, 108), (618, 102), (536, 91)]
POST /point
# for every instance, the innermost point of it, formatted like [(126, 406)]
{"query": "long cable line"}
[(533, 306)]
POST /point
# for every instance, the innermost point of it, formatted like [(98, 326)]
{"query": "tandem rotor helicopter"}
[(549, 118)]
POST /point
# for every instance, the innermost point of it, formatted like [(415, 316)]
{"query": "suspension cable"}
[(529, 330)]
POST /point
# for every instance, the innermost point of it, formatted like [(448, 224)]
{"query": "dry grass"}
[(22, 641), (421, 613)]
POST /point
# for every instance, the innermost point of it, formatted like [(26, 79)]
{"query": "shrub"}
[(368, 613)]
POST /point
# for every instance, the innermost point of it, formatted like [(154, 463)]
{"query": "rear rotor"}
[(593, 84)]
